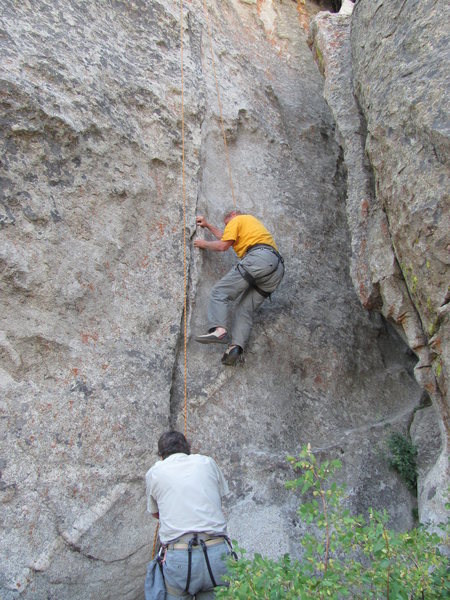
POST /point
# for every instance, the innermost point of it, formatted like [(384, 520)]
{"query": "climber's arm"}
[(217, 246), (202, 222)]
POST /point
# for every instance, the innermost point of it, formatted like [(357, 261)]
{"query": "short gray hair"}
[(230, 212)]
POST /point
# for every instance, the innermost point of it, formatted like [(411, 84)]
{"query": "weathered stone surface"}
[(426, 436), (90, 321), (91, 258), (387, 219), (407, 112)]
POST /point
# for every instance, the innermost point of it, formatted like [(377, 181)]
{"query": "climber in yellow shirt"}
[(257, 274)]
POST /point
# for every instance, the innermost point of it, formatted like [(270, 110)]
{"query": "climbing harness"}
[(195, 541), (252, 281)]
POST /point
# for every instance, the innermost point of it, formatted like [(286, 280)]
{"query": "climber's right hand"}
[(201, 221)]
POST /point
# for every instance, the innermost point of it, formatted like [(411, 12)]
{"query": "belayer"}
[(184, 491), (258, 273)]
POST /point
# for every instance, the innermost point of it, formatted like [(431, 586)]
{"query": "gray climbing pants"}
[(175, 571), (259, 262)]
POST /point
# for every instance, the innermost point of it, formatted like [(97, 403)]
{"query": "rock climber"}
[(184, 492), (257, 274)]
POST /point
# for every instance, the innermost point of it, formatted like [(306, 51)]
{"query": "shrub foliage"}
[(348, 556), (403, 458)]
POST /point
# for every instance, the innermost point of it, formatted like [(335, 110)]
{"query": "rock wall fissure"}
[(393, 419), (177, 390)]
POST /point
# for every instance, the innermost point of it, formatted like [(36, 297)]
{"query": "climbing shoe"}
[(212, 338), (231, 355)]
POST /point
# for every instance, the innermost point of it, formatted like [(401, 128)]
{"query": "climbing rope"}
[(155, 539), (205, 9), (184, 217)]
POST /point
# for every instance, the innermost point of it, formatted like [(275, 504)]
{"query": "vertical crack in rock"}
[(174, 400), (176, 392), (194, 96)]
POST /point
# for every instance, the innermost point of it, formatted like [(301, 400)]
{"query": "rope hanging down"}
[(184, 217), (184, 198)]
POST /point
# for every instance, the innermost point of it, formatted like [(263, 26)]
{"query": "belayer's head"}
[(172, 442), (230, 215)]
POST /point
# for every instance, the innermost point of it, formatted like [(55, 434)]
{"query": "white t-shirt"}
[(186, 490)]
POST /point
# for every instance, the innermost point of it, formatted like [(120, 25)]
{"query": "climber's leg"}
[(222, 295)]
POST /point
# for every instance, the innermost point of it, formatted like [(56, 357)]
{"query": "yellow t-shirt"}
[(246, 231)]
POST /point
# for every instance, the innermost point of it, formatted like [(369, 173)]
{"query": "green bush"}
[(347, 556), (403, 458)]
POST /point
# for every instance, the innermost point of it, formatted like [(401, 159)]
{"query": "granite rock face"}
[(386, 77), (92, 285)]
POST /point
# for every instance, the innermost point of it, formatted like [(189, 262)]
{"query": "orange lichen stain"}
[(84, 284), (259, 5), (403, 317), (318, 380), (437, 344), (364, 296), (281, 51), (105, 366), (365, 208), (144, 262), (161, 226), (302, 15), (88, 337)]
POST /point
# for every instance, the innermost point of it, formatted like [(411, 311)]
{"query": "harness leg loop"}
[(208, 565)]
